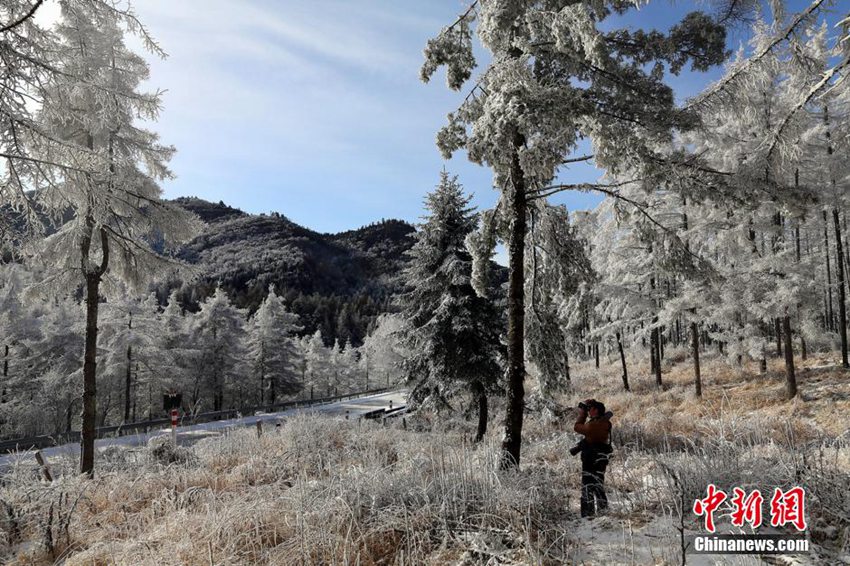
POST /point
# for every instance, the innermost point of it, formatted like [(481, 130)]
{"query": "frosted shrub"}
[(162, 451)]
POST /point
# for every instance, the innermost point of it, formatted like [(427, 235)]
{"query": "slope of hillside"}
[(337, 283)]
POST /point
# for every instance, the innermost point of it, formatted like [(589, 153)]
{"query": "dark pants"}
[(593, 498)]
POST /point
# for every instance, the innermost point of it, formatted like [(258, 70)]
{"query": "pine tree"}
[(451, 332), (382, 352), (555, 77), (176, 364)]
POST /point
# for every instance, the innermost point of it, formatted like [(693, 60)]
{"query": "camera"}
[(583, 406), (578, 447)]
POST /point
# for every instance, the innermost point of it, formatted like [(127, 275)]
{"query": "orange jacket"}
[(594, 430)]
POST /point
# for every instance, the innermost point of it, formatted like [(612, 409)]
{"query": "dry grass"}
[(322, 491)]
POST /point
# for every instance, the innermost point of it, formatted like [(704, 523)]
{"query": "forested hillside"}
[(336, 283)]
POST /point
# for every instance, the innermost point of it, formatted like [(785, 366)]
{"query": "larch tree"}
[(55, 366), (272, 349), (178, 357), (32, 154), (382, 352), (556, 77), (218, 332), (451, 332), (559, 272), (115, 199), (131, 333), (317, 362)]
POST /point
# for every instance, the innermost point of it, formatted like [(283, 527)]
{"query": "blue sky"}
[(314, 109)]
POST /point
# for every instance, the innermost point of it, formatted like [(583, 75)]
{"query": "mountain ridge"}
[(337, 283)]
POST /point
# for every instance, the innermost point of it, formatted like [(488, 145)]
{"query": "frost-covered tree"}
[(559, 74), (317, 363), (175, 366), (558, 274), (32, 154), (451, 333), (115, 199), (55, 368), (382, 352), (348, 368), (218, 332), (18, 326), (272, 349), (130, 339)]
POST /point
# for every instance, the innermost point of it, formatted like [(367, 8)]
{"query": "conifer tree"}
[(554, 78), (115, 199), (451, 332), (272, 349), (130, 336), (219, 335), (317, 363)]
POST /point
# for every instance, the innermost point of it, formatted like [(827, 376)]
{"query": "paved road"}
[(187, 435)]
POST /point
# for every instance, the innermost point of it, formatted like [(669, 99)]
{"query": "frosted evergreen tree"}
[(317, 363), (348, 368), (554, 78), (219, 336), (558, 276), (272, 350), (382, 352), (130, 339), (451, 333), (175, 366), (115, 199)]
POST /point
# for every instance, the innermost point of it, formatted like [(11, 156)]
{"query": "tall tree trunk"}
[(655, 344), (790, 377), (512, 440), (89, 413), (661, 340), (842, 312), (830, 323), (653, 360), (596, 354), (777, 329), (128, 383), (262, 375), (5, 372), (623, 361), (695, 348), (93, 275), (481, 399), (128, 378)]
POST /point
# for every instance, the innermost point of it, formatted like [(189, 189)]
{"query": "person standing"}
[(595, 425)]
